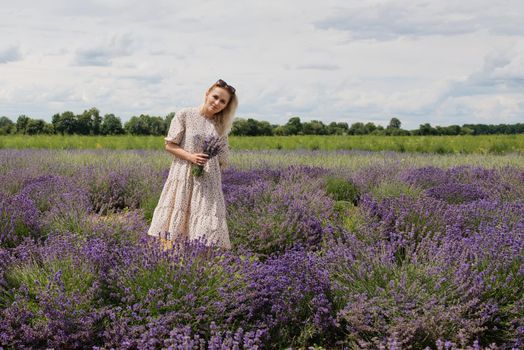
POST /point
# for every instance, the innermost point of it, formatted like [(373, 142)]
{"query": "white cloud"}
[(320, 66), (10, 54), (103, 54), (393, 19), (422, 61), (482, 109)]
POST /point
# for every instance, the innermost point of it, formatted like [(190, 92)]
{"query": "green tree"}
[(35, 126), (340, 128), (6, 126), (357, 128), (49, 129), (379, 131), (466, 131), (394, 123), (89, 122), (265, 129), (370, 127), (55, 121), (332, 129), (280, 130), (21, 124), (448, 130), (426, 129), (96, 121), (314, 127), (168, 119), (111, 125), (83, 123), (136, 126), (157, 125), (64, 123), (239, 127), (293, 126), (145, 125), (251, 127)]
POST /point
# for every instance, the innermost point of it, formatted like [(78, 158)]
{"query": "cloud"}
[(10, 54), (485, 109), (391, 20), (319, 66), (502, 73), (494, 93), (421, 61), (145, 78), (104, 53)]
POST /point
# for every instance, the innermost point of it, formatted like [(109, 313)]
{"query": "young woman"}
[(191, 206)]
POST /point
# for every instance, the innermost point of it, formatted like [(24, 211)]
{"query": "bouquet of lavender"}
[(213, 145)]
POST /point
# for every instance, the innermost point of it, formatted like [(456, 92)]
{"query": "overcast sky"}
[(443, 62)]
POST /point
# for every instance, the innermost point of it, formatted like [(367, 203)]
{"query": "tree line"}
[(294, 126), (90, 122)]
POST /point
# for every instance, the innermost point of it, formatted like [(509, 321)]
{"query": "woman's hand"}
[(198, 158), (179, 152)]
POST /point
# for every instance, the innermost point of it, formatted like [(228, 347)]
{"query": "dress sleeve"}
[(223, 156), (177, 128)]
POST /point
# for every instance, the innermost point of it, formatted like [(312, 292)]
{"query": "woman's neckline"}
[(212, 119)]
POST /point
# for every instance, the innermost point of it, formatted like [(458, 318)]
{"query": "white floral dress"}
[(192, 206)]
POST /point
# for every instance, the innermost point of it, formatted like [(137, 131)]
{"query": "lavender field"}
[(331, 250)]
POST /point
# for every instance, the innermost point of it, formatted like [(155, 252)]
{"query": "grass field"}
[(485, 144), (156, 160)]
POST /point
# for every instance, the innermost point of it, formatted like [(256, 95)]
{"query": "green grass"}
[(81, 142), (484, 144), (76, 277), (67, 162), (355, 160), (493, 144)]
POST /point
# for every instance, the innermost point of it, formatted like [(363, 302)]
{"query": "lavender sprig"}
[(213, 145)]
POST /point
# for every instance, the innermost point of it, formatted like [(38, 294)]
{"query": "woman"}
[(191, 206)]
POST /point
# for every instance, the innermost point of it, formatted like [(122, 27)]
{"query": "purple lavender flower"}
[(269, 212), (18, 219), (212, 146), (439, 269)]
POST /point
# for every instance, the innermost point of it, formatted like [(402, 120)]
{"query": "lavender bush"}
[(269, 213), (60, 202), (18, 219), (151, 287), (48, 297), (290, 295), (420, 257), (439, 266)]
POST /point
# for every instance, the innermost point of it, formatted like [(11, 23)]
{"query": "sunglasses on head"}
[(223, 84)]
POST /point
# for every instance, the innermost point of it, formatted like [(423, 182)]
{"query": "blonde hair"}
[(224, 119)]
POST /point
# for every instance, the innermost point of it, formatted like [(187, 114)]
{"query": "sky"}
[(440, 62)]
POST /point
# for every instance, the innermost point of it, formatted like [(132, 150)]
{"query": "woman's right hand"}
[(198, 158)]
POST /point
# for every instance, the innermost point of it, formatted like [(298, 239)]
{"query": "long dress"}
[(189, 206)]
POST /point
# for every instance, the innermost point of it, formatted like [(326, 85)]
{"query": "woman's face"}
[(216, 100)]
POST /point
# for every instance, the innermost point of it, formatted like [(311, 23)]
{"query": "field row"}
[(157, 160), (365, 251), (482, 144)]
